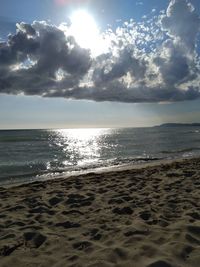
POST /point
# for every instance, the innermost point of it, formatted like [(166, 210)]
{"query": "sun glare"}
[(86, 32)]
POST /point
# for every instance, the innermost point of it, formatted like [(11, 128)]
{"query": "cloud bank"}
[(156, 60)]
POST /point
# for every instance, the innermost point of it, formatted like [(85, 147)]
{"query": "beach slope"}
[(144, 217)]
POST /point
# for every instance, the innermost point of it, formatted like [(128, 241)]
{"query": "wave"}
[(29, 155), (17, 139), (29, 172), (190, 149)]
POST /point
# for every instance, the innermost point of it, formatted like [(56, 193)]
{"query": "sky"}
[(90, 63)]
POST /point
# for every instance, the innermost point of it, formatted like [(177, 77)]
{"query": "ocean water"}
[(29, 155)]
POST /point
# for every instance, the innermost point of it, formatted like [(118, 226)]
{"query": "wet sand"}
[(142, 217)]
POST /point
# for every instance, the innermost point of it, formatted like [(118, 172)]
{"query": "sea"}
[(34, 155)]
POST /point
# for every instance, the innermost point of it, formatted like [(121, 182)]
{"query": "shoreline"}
[(142, 217), (99, 170)]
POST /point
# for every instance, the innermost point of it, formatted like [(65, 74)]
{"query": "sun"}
[(86, 32)]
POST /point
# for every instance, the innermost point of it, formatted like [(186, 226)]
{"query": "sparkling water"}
[(28, 155)]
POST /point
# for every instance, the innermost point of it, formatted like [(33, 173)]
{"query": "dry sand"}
[(139, 217)]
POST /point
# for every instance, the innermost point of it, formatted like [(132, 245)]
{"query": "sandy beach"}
[(143, 217)]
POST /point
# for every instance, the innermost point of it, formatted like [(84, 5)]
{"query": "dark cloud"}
[(174, 65), (117, 67), (153, 61), (177, 59), (182, 22), (34, 56), (26, 28), (116, 92)]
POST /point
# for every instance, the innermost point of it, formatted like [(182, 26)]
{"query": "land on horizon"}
[(169, 124)]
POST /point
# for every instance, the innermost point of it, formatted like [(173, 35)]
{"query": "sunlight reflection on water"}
[(82, 144), (27, 155)]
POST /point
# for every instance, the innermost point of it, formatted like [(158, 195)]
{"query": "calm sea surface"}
[(28, 155)]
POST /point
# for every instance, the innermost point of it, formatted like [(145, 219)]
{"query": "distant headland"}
[(179, 125)]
